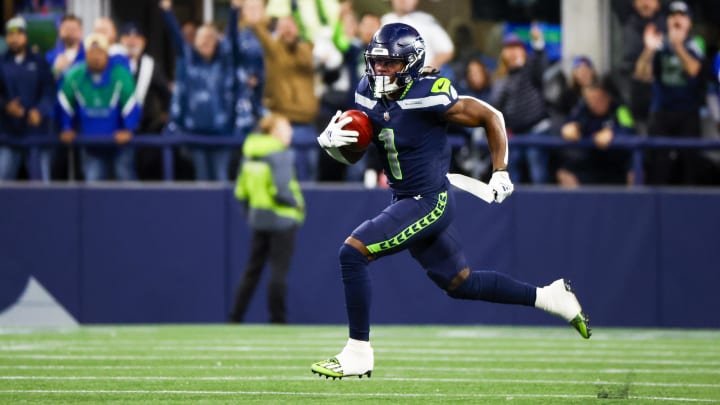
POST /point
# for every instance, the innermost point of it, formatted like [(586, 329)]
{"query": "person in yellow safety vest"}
[(274, 206)]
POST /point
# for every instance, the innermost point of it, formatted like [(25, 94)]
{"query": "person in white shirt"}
[(439, 48)]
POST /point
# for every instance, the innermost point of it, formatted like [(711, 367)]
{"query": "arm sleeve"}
[(68, 103), (130, 108), (282, 167), (3, 91), (623, 124), (538, 64), (161, 87), (176, 36), (266, 41), (240, 189), (340, 40), (297, 16), (48, 90), (232, 34)]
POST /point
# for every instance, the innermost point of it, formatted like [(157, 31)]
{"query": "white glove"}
[(501, 185), (334, 136)]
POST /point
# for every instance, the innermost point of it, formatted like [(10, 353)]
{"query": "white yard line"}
[(468, 359), (400, 379), (275, 344), (508, 396), (221, 366), (398, 350)]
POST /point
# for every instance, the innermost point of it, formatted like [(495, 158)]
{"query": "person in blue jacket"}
[(597, 116), (27, 97), (250, 71), (203, 101), (69, 49)]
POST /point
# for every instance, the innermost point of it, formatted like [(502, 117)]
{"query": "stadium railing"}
[(637, 145)]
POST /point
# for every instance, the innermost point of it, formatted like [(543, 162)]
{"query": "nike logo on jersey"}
[(441, 85)]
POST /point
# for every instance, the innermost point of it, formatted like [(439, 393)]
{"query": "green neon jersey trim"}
[(412, 230)]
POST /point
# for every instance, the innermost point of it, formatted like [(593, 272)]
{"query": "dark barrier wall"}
[(135, 254)]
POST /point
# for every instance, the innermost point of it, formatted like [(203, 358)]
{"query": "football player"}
[(409, 108)]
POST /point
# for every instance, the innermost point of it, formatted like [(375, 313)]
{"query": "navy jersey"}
[(673, 88), (410, 133)]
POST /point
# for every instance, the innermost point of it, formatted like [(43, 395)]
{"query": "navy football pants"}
[(423, 226)]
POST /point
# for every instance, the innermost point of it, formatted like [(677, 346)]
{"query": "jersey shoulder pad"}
[(433, 85), (363, 87)]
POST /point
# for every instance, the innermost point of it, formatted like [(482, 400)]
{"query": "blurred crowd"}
[(105, 85)]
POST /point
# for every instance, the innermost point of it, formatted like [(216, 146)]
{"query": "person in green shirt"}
[(274, 206)]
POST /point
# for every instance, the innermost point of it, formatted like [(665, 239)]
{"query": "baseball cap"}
[(15, 24), (678, 6), (512, 39), (131, 28), (96, 40)]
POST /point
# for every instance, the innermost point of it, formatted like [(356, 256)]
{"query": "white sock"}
[(358, 345), (541, 298)]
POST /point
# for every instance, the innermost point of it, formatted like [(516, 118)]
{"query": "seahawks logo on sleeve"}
[(430, 93)]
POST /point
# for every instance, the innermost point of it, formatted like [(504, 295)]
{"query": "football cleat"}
[(356, 358), (331, 368), (559, 299)]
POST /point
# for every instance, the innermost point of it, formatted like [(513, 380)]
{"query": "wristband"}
[(501, 169)]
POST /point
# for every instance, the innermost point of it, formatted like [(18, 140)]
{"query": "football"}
[(360, 123)]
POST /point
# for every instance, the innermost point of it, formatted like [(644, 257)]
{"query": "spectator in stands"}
[(673, 63), (519, 96), (274, 207), (475, 82), (582, 74), (289, 89), (98, 100), (68, 52), (638, 91), (203, 101), (189, 29), (250, 70), (69, 49), (466, 47), (116, 51), (715, 85), (27, 98), (350, 38), (152, 91), (439, 48), (601, 118)]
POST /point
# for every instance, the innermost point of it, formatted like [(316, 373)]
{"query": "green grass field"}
[(413, 364)]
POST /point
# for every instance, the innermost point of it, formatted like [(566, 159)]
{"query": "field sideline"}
[(414, 364)]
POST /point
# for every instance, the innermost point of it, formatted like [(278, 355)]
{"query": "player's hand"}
[(334, 136), (501, 185)]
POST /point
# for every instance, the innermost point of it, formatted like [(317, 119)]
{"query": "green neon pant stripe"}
[(413, 229)]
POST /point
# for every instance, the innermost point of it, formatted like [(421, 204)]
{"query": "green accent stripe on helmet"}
[(413, 229)]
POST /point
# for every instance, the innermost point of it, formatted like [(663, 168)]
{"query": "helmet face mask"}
[(394, 42)]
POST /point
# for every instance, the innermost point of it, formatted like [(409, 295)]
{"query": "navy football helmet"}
[(395, 41)]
